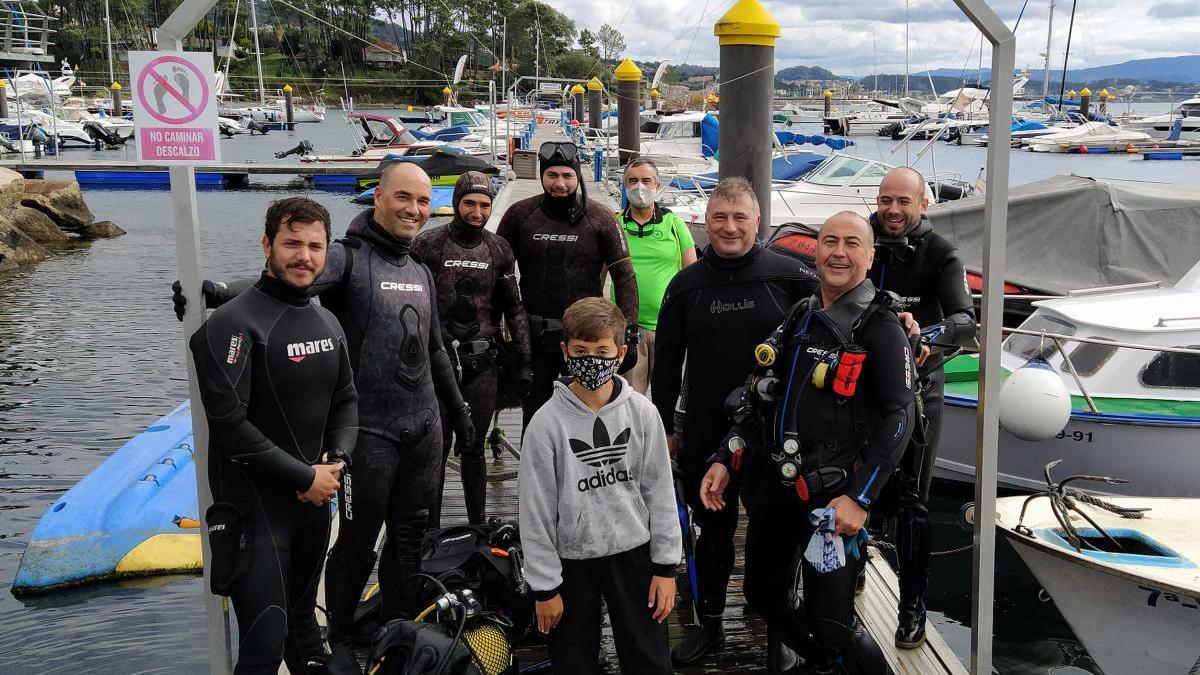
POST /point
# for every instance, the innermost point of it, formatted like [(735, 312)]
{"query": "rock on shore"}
[(36, 215)]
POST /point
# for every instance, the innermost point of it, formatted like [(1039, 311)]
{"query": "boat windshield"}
[(382, 133), (650, 127), (1190, 110), (846, 170), (1029, 346), (466, 118)]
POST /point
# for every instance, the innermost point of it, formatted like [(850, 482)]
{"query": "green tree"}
[(587, 42), (610, 42)]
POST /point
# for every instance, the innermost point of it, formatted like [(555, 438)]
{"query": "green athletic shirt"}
[(656, 250)]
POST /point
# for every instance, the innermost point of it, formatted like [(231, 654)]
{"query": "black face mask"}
[(592, 372)]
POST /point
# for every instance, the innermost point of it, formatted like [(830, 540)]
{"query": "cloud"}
[(1173, 10), (861, 38)]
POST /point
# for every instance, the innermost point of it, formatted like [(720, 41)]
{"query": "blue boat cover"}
[(443, 197), (710, 133), (787, 168)]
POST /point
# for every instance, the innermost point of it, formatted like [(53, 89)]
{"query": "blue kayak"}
[(135, 514)]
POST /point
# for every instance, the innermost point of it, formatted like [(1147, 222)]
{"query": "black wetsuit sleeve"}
[(225, 391), (508, 227), (508, 299), (615, 250), (224, 291), (335, 270), (958, 326), (341, 431), (445, 383), (889, 358), (670, 348)]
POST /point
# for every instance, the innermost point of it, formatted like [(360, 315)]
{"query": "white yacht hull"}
[(1089, 445)]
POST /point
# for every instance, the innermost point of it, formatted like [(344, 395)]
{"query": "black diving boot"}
[(780, 657), (699, 640), (910, 631), (341, 660)]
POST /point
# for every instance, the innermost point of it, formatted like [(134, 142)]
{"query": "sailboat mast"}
[(504, 60), (1067, 54), (1049, 35), (262, 91), (108, 33), (906, 47)]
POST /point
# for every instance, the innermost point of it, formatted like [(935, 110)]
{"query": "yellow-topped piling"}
[(747, 23)]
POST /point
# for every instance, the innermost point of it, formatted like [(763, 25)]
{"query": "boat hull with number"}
[(1136, 611), (1133, 351)]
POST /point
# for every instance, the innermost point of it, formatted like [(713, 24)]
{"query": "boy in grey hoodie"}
[(597, 506)]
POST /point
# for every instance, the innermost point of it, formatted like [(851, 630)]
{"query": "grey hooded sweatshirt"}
[(595, 484)]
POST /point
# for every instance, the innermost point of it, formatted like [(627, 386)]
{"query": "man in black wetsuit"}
[(563, 242), (714, 313), (385, 302), (916, 263), (277, 387), (821, 424), (476, 284)]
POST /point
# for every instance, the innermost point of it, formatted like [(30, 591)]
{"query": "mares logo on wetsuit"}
[(297, 351), (471, 264), (555, 237), (235, 348)]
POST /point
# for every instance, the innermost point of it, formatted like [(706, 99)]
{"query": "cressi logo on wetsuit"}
[(541, 236), (394, 286), (470, 264)]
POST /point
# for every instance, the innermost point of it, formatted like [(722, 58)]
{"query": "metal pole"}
[(492, 116), (906, 47), (595, 89), (747, 34), (262, 91), (289, 110), (187, 247), (629, 142), (108, 34), (987, 421), (1046, 72), (504, 61)]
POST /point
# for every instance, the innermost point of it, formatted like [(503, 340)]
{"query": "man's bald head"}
[(402, 199), (845, 251), (901, 201)]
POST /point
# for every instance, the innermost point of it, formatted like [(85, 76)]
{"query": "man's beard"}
[(279, 271)]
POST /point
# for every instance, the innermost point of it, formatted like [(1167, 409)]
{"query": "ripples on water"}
[(91, 353)]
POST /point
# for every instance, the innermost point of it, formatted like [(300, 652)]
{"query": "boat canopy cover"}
[(449, 134), (788, 168), (440, 163), (1073, 232), (710, 131)]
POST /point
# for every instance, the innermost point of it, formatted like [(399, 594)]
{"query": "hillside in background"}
[(1166, 69)]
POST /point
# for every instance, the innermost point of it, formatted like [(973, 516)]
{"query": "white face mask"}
[(641, 196)]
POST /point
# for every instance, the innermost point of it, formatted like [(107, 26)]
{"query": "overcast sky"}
[(853, 38)]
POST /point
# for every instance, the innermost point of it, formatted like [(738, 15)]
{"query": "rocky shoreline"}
[(38, 216)]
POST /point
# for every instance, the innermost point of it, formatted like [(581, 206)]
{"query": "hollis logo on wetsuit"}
[(717, 306), (472, 264), (297, 351), (601, 453)]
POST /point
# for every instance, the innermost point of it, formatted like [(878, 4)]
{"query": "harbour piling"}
[(629, 78), (289, 110), (577, 104), (116, 100), (595, 90), (1085, 98), (747, 35)]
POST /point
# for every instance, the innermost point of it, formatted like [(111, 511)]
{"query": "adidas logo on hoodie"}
[(600, 454)]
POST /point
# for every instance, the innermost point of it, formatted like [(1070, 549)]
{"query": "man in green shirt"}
[(659, 246)]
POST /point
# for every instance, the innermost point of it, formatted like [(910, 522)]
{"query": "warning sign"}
[(174, 107)]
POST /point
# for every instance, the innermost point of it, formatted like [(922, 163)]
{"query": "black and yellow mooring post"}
[(117, 111), (828, 103), (289, 109), (3, 100), (595, 105), (446, 94), (1085, 98), (577, 103), (654, 99), (1104, 101), (629, 99), (747, 35)]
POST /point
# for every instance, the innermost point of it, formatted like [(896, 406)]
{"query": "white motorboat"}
[(376, 137), (66, 131), (1088, 133), (75, 109), (839, 183), (1128, 358), (1160, 126), (1132, 598), (865, 122), (793, 113)]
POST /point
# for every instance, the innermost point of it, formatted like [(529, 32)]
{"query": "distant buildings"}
[(383, 54)]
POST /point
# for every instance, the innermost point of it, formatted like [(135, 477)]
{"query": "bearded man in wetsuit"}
[(476, 285), (924, 269), (385, 302), (278, 391), (563, 242), (714, 312)]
